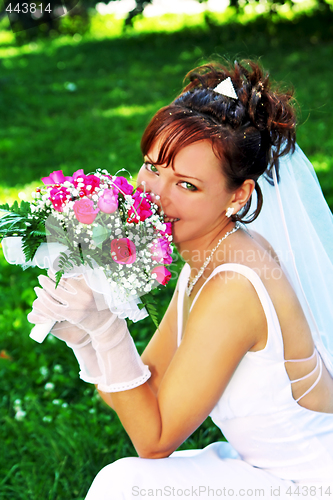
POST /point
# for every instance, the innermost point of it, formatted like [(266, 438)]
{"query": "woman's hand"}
[(110, 343), (72, 301)]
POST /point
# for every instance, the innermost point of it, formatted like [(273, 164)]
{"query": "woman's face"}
[(193, 190)]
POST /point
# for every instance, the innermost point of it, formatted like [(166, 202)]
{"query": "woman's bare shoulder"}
[(258, 238)]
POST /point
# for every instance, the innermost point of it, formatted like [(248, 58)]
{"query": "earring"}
[(229, 212)]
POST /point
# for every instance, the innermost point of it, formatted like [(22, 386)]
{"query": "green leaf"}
[(150, 304), (100, 234), (59, 275)]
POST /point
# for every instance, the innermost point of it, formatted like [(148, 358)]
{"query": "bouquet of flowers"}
[(97, 225)]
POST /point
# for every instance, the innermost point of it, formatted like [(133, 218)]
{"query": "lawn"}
[(83, 102)]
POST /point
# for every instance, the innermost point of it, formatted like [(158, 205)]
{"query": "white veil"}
[(298, 223)]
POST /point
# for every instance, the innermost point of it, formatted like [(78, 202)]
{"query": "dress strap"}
[(318, 363), (304, 359)]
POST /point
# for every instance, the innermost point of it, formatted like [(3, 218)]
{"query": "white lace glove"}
[(118, 358), (76, 338), (119, 362)]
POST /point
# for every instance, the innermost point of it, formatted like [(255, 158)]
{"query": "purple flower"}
[(108, 202)]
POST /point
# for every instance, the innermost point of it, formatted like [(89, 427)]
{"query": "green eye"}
[(189, 186), (150, 167)]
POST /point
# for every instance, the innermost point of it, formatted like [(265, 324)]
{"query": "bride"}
[(236, 341)]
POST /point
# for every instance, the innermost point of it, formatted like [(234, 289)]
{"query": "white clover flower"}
[(49, 386), (47, 419), (20, 415), (43, 370), (64, 405), (57, 368)]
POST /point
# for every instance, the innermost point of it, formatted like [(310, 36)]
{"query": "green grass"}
[(83, 102)]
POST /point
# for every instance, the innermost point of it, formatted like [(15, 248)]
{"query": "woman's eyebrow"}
[(187, 176), (146, 158)]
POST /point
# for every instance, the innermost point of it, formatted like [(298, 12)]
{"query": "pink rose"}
[(141, 208), (90, 182), (123, 251), (59, 197), (84, 211), (161, 251), (108, 202), (56, 177), (78, 173), (162, 274), (122, 185)]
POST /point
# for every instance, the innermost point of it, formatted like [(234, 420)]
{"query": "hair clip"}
[(226, 88)]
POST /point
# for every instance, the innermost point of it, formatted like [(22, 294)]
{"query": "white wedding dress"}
[(276, 448)]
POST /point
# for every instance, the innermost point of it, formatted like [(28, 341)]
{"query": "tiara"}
[(226, 88)]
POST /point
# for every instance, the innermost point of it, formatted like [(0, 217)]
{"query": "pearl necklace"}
[(191, 283)]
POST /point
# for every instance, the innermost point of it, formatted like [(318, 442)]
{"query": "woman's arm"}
[(226, 321)]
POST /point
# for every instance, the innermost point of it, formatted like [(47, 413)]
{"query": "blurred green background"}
[(81, 99)]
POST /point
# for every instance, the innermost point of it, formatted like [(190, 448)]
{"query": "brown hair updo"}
[(248, 134)]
